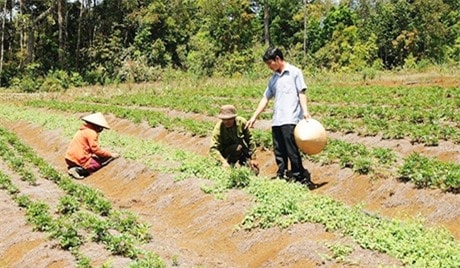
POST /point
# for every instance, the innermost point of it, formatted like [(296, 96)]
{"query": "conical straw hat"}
[(310, 136), (96, 119)]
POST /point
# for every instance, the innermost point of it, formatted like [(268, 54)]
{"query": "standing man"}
[(84, 155), (288, 87), (231, 141)]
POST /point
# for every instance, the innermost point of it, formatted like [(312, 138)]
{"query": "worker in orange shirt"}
[(84, 154)]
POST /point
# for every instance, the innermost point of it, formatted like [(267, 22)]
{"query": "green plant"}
[(362, 165), (425, 172), (340, 252), (84, 262), (67, 234), (5, 182), (239, 178), (147, 259), (122, 244), (38, 215), (68, 204), (23, 201), (175, 260)]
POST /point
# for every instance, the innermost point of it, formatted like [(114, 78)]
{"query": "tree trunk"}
[(266, 24), (31, 35), (21, 33), (3, 39), (62, 33), (11, 39), (80, 21), (305, 30)]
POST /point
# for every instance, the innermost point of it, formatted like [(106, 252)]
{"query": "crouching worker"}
[(231, 141), (84, 155)]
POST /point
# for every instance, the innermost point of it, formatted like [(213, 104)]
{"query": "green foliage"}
[(148, 260), (39, 216), (263, 139), (97, 75), (228, 24), (425, 172), (68, 205), (235, 64), (138, 70), (127, 222), (23, 201), (133, 40), (95, 202), (282, 204), (84, 262), (202, 56), (121, 245), (60, 80), (5, 182), (122, 233), (54, 81), (362, 165), (239, 178), (277, 203), (67, 234), (340, 251), (384, 156), (454, 52), (285, 22), (25, 84), (338, 17), (346, 52)]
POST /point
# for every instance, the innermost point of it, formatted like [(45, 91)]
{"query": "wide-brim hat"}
[(310, 136), (227, 112), (96, 119)]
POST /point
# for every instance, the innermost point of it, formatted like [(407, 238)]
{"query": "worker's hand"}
[(250, 122), (225, 164), (115, 155), (254, 165), (306, 115)]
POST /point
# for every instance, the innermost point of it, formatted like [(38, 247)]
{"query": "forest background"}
[(51, 45)]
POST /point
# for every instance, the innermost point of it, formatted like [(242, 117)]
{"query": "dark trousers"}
[(286, 148), (236, 153), (95, 164)]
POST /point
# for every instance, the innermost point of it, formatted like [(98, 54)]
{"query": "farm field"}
[(389, 179)]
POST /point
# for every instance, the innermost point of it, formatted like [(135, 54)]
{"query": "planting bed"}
[(191, 228)]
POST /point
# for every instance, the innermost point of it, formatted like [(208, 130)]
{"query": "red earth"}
[(193, 229)]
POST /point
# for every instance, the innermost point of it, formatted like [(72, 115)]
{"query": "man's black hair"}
[(271, 53)]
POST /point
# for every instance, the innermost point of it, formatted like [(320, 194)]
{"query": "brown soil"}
[(194, 229), (199, 230)]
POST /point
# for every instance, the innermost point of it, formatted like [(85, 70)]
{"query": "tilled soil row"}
[(387, 197), (189, 227)]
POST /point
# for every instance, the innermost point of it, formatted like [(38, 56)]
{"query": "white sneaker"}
[(74, 173)]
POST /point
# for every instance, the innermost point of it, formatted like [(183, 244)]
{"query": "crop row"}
[(358, 157), (83, 214), (280, 203), (423, 114)]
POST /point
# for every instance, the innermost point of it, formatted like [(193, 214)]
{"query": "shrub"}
[(26, 84)]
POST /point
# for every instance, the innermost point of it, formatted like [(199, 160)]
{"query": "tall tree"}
[(61, 11), (266, 23), (286, 22), (2, 39), (432, 31)]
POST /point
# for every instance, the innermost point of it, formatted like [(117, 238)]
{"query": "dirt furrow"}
[(192, 227)]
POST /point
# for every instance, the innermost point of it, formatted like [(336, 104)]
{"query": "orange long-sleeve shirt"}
[(85, 144)]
